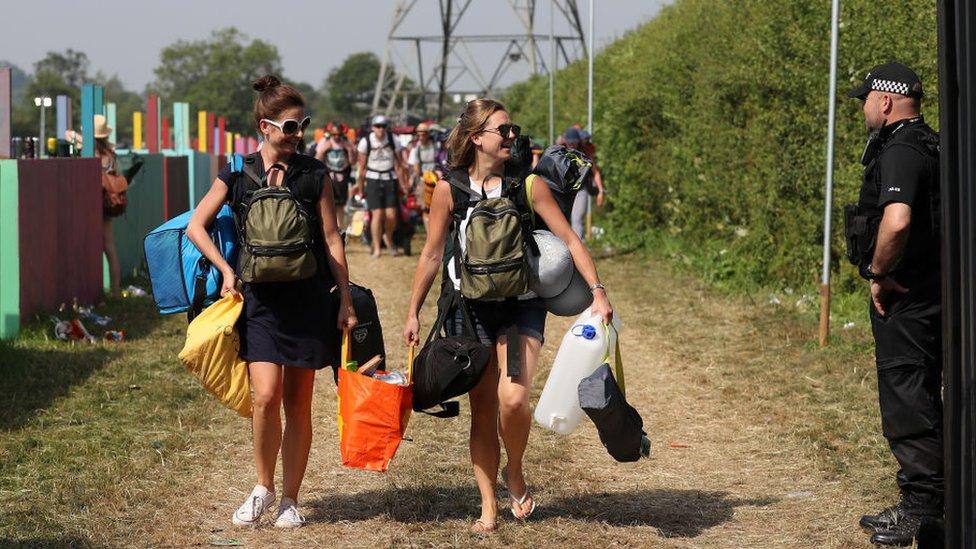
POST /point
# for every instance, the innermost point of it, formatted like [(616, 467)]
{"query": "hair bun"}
[(266, 82)]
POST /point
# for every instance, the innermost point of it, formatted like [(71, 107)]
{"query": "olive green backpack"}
[(497, 238), (277, 229)]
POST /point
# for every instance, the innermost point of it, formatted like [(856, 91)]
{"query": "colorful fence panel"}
[(177, 186), (60, 232), (202, 177), (9, 251), (144, 213)]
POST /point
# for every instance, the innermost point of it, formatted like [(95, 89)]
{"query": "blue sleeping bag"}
[(177, 268)]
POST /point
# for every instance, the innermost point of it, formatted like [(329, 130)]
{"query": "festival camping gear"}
[(575, 299), (551, 271), (566, 171), (211, 354), (429, 181), (580, 353), (448, 366), (604, 400), (182, 278), (372, 415)]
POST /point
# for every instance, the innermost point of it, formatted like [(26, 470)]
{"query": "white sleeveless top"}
[(491, 193)]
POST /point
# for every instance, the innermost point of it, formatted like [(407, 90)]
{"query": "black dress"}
[(289, 323)]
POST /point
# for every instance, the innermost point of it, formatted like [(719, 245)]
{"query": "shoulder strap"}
[(255, 181), (618, 362), (458, 179), (529, 181)]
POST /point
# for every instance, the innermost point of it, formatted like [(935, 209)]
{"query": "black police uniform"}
[(901, 165)]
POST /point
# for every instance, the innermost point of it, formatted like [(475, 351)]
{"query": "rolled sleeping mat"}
[(552, 270), (575, 299)]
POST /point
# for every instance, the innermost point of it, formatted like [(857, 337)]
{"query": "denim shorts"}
[(491, 318)]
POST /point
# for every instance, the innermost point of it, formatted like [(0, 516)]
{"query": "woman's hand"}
[(229, 285), (601, 305), (411, 332), (347, 313)]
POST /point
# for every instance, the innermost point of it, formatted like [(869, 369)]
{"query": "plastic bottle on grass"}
[(580, 354)]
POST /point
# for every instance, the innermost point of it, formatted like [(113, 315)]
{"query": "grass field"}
[(759, 439)]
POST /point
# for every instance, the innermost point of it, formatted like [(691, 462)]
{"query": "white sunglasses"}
[(290, 126)]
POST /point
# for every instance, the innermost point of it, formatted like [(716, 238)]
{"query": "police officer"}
[(893, 238)]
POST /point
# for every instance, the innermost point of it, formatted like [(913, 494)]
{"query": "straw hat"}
[(102, 129)]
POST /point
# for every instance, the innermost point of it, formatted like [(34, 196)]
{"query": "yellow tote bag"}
[(211, 354)]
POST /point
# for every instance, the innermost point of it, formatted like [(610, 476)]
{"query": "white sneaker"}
[(254, 506), (288, 516)]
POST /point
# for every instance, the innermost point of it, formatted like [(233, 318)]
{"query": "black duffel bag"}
[(448, 366), (619, 425)]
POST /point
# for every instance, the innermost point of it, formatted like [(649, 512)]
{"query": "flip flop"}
[(520, 501), (515, 500), (484, 527)]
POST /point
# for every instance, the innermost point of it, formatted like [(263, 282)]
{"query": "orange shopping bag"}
[(372, 415)]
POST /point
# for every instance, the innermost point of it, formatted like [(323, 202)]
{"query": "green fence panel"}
[(200, 176), (143, 214), (9, 251)]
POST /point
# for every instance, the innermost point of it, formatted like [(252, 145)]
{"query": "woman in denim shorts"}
[(480, 144)]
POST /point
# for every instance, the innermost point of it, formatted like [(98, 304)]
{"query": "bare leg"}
[(266, 423), (514, 414), (112, 255), (340, 217), (484, 447), (388, 228), (297, 396), (376, 229)]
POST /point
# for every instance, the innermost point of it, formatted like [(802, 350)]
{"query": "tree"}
[(347, 93), (56, 74), (71, 66), (216, 74)]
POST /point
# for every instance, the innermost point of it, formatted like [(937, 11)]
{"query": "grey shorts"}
[(490, 319)]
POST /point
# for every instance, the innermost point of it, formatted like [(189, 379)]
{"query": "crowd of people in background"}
[(388, 173)]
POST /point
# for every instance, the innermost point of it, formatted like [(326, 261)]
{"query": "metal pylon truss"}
[(421, 72)]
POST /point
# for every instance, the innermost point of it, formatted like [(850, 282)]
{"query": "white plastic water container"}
[(580, 354)]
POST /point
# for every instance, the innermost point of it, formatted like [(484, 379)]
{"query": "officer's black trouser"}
[(908, 350)]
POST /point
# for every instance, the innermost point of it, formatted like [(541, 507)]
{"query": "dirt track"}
[(721, 474)]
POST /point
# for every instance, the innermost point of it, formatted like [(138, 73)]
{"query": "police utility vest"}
[(278, 227), (861, 220)]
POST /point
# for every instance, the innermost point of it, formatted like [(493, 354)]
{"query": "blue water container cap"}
[(586, 331)]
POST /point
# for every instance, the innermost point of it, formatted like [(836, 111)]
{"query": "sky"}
[(125, 37)]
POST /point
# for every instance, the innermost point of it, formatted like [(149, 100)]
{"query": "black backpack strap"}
[(254, 181), (199, 289)]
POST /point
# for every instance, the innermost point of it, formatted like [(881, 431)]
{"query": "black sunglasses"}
[(290, 126), (506, 130)]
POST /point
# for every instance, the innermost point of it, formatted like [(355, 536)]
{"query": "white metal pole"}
[(552, 74), (589, 115), (829, 185), (42, 146), (589, 75)]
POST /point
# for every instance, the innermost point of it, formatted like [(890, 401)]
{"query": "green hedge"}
[(711, 126)]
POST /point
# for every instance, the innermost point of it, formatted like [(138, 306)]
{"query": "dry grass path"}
[(757, 441)]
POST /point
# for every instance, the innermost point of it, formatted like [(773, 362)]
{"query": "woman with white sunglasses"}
[(288, 327)]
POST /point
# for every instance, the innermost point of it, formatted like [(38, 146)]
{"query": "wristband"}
[(597, 286)]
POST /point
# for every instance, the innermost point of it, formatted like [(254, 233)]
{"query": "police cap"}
[(889, 78)]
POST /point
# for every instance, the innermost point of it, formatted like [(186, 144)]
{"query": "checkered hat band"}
[(889, 86)]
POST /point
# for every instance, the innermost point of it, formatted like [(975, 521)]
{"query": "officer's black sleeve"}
[(903, 174)]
